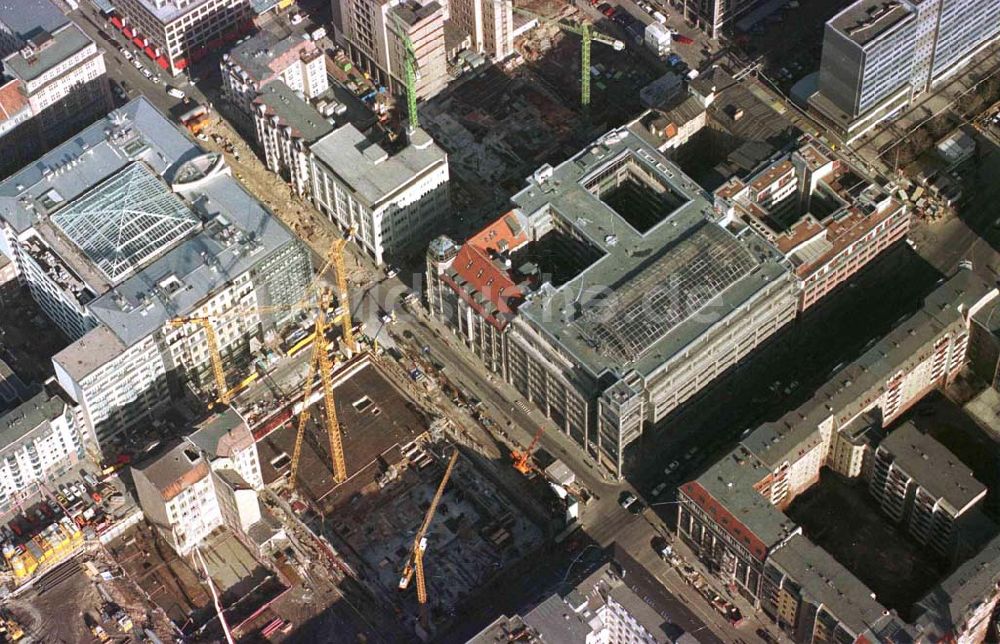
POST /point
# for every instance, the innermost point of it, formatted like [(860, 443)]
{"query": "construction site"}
[(500, 124)]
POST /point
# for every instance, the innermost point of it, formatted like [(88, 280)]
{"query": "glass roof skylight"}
[(126, 221)]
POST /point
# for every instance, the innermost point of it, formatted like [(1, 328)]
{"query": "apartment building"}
[(372, 31), (286, 127), (53, 83), (732, 515), (608, 297), (880, 54), (921, 485), (42, 438), (820, 213), (175, 33), (618, 603), (393, 202), (206, 481), (489, 23), (126, 227), (280, 51)]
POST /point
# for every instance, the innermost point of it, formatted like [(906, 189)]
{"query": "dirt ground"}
[(897, 569)]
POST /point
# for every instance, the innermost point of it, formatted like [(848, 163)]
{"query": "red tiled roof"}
[(12, 100), (483, 275)]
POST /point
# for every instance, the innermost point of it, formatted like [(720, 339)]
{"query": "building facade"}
[(42, 439), (208, 480), (286, 126), (878, 56), (175, 33), (489, 23), (557, 298), (393, 203), (53, 83), (372, 31), (732, 517), (279, 52), (821, 213), (191, 242), (919, 484)]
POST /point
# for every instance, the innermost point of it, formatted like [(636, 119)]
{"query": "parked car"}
[(688, 455), (670, 469), (627, 500), (658, 490), (175, 92)]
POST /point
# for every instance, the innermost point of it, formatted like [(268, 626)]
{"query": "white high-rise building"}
[(394, 203), (880, 54)]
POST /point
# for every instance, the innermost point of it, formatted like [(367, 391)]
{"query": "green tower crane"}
[(584, 30), (409, 74)]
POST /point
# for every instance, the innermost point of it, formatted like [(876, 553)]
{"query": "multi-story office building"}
[(42, 438), (207, 480), (175, 33), (394, 203), (879, 54), (820, 213), (781, 459), (371, 31), (53, 82), (715, 17), (489, 23), (608, 296), (127, 227), (279, 52), (286, 126), (923, 486)]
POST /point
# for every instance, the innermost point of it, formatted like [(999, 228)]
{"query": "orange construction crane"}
[(522, 460), (415, 562)]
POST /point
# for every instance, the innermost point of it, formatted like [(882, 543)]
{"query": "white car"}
[(137, 64), (658, 490), (670, 469), (148, 74), (391, 271), (627, 501), (176, 93)]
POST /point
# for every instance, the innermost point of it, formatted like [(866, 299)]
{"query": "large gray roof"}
[(847, 391), (256, 53), (235, 232), (933, 467), (368, 169), (826, 582), (65, 42), (667, 285), (867, 20), (294, 112), (26, 17), (32, 414)]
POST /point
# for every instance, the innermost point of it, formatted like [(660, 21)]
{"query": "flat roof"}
[(962, 592), (235, 232), (33, 413), (26, 18), (375, 417), (826, 582), (169, 11), (933, 467), (294, 112), (275, 39), (866, 20), (368, 169), (658, 280), (88, 354), (175, 470), (844, 393), (65, 42)]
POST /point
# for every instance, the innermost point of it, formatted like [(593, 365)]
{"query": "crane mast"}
[(415, 562)]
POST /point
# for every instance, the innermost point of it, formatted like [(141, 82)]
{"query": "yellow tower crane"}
[(587, 35), (415, 561), (223, 393)]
